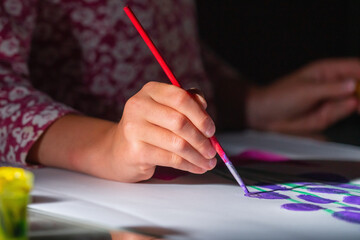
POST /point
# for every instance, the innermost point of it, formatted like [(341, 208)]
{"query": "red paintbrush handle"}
[(173, 80), (166, 68), (219, 149), (151, 45)]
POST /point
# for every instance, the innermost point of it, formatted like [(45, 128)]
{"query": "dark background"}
[(266, 39)]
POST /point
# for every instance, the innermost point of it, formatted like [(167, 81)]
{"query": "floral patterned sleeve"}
[(24, 111)]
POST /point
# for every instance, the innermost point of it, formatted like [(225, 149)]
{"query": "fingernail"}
[(350, 85), (212, 163), (211, 128), (211, 152)]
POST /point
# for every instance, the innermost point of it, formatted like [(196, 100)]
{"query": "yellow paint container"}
[(15, 187)]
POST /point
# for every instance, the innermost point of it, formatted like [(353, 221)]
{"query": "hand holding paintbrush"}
[(174, 81)]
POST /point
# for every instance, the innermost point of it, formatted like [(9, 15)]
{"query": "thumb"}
[(198, 96)]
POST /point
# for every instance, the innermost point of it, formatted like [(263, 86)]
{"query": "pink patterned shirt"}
[(63, 56)]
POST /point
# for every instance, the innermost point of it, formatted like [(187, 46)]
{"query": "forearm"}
[(73, 142)]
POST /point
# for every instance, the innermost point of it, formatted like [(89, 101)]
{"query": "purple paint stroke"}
[(301, 207), (327, 190), (275, 187), (351, 208), (349, 186), (352, 200), (353, 217), (315, 199), (267, 195), (325, 177)]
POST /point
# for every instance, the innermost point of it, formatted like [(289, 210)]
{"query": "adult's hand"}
[(308, 100)]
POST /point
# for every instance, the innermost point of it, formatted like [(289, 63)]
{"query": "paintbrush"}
[(173, 80)]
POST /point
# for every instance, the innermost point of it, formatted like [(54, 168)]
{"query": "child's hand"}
[(161, 125)]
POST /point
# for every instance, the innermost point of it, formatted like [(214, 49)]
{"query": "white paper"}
[(204, 206)]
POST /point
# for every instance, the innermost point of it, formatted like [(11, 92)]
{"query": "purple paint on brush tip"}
[(301, 207), (353, 217), (352, 200), (325, 177), (315, 199), (267, 195), (349, 186), (327, 190), (351, 208)]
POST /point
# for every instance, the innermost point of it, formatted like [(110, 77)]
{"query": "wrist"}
[(95, 149)]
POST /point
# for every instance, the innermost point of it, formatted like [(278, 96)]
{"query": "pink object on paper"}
[(257, 155)]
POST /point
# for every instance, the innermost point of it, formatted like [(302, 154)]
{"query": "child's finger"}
[(161, 157), (144, 107), (167, 140), (179, 124), (183, 102)]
